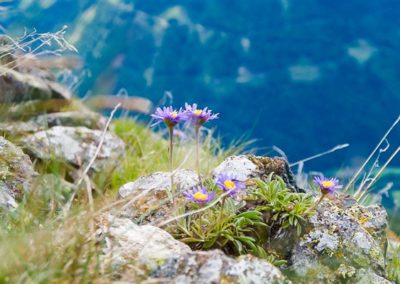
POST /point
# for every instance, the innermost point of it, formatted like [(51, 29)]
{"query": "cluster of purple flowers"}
[(232, 186), (225, 182), (191, 113)]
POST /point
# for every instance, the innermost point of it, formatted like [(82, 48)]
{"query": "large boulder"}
[(206, 267), (129, 248), (77, 146), (340, 243), (160, 181), (126, 243), (16, 173), (153, 198), (16, 87), (246, 167)]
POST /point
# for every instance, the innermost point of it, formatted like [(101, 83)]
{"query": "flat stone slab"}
[(183, 180), (75, 144)]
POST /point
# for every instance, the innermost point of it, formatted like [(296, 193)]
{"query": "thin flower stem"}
[(171, 149), (222, 209), (197, 133), (316, 203), (221, 213)]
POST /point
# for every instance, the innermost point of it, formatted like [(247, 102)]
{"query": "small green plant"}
[(198, 117), (393, 266), (242, 227), (231, 231), (171, 118), (284, 208)]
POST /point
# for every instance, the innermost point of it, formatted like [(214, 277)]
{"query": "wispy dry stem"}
[(336, 148), (90, 164), (354, 178)]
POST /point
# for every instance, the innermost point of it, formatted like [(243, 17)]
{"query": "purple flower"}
[(199, 195), (198, 116), (327, 185), (168, 115), (229, 184)]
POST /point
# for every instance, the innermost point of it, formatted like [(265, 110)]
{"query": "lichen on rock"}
[(336, 239), (16, 173), (162, 258), (161, 181), (91, 120), (153, 194), (245, 167), (75, 145)]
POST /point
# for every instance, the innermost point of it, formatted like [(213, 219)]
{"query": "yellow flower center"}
[(200, 196), (174, 114), (197, 111), (328, 183), (229, 184)]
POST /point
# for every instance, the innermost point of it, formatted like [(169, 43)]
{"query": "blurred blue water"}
[(303, 75)]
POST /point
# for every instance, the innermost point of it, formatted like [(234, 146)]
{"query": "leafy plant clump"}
[(245, 224), (281, 207), (393, 266)]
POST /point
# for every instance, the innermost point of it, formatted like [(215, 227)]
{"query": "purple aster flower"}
[(199, 116), (168, 115), (199, 195), (327, 185), (229, 184)]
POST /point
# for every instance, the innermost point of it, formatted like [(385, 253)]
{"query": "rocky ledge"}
[(343, 242)]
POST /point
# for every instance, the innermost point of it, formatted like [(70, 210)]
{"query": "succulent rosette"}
[(168, 115), (327, 185), (199, 195), (229, 183), (198, 116)]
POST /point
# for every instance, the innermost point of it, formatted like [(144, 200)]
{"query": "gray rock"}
[(339, 236), (15, 129), (16, 87), (161, 181), (207, 267), (367, 276), (326, 241), (87, 119), (75, 145), (127, 242), (153, 197), (246, 167), (167, 260), (16, 173), (240, 167)]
